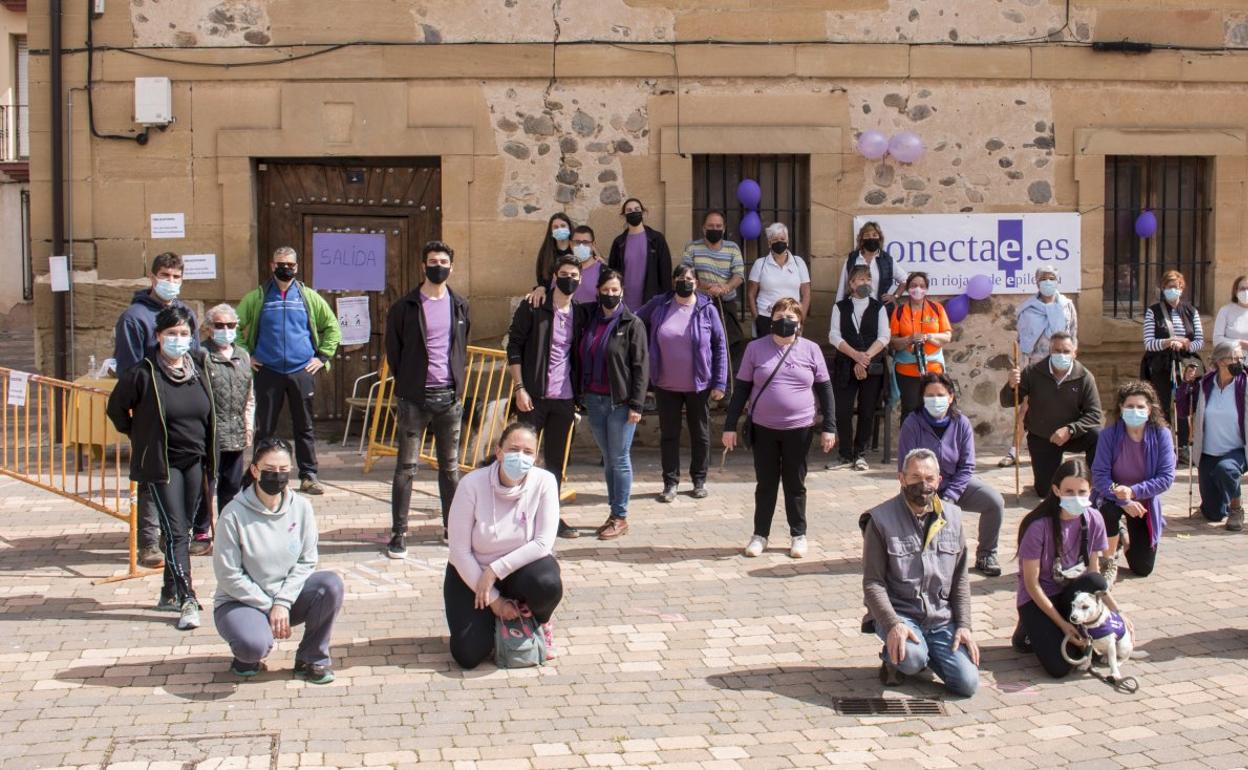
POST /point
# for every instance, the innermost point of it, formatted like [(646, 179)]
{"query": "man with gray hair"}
[(914, 580), (291, 333)]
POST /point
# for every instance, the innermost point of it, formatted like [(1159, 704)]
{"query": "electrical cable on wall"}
[(141, 137)]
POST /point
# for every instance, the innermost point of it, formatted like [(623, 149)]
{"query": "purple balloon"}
[(872, 144), (751, 226), (1146, 224), (957, 308), (906, 147), (749, 194), (979, 287)]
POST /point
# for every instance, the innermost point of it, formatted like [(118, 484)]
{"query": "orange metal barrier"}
[(487, 404), (57, 437)]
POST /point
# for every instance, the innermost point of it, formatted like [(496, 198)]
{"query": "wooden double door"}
[(394, 205)]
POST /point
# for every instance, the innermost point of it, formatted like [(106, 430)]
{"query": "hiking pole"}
[(1018, 456)]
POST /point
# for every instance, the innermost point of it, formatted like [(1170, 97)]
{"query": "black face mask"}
[(610, 301), (918, 493), (437, 273), (684, 288), (633, 218), (862, 291), (273, 482), (567, 284), (779, 247), (783, 327), (870, 244), (714, 236), (1236, 368), (284, 273)]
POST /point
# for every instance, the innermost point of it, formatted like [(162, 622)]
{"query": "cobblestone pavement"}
[(676, 651)]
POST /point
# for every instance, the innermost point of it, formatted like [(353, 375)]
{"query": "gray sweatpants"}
[(987, 502), (246, 629)]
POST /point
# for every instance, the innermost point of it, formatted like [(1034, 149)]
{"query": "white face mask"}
[(1242, 296)]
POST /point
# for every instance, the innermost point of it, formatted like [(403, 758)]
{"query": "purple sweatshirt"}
[(708, 345), (1158, 456), (955, 450)]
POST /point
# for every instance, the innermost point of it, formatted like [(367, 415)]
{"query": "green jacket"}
[(322, 321)]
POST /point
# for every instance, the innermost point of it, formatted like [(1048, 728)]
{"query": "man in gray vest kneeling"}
[(915, 583)]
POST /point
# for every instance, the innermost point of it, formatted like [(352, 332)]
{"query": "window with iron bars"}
[(785, 184), (1178, 192)]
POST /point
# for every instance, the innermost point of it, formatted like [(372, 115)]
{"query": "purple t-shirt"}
[(1131, 465), (558, 378), (789, 401), (1038, 543), (588, 290), (676, 350), (634, 270), (437, 340)]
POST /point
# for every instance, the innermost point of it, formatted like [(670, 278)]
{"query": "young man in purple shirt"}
[(427, 351)]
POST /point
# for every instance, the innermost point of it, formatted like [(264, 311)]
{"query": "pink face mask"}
[(917, 292)]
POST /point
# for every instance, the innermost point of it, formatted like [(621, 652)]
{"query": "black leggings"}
[(1046, 638), (176, 502), (537, 585), (780, 456), (1141, 556)]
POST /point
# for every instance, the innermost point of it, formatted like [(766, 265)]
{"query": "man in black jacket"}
[(427, 351), (539, 356)]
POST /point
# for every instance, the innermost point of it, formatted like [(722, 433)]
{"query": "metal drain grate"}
[(253, 751), (893, 707)]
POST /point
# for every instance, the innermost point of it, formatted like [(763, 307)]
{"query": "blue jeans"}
[(614, 436), (934, 650), (1219, 482)]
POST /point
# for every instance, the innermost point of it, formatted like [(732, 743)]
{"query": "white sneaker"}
[(797, 549), (189, 618), (756, 546)]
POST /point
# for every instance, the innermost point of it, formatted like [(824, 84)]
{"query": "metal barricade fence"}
[(57, 437), (487, 405)]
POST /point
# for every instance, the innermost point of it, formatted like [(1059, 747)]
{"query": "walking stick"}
[(1018, 457)]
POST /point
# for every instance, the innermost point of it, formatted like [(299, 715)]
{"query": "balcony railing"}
[(14, 133)]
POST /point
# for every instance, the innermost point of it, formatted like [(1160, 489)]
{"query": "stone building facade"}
[(527, 108)]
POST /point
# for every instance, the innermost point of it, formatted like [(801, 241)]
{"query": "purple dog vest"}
[(1113, 625)]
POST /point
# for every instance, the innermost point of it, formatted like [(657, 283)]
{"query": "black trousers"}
[(1165, 392), (910, 395), (443, 415), (1141, 556), (697, 412), (1046, 638), (1046, 456), (780, 457), (227, 484), (537, 585), (553, 418), (273, 389), (859, 398), (176, 502)]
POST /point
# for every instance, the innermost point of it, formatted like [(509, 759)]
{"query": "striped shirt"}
[(715, 266), (1152, 343)]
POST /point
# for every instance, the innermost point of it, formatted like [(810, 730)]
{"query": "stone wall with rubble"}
[(564, 109)]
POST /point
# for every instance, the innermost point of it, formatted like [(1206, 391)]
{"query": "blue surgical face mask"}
[(1172, 294), (936, 406), (561, 233), (1076, 504), (1062, 360), (1134, 417), (224, 336), (517, 464), (174, 346), (582, 252), (168, 290), (1048, 287)]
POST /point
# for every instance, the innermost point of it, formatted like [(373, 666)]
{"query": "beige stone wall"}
[(525, 128)]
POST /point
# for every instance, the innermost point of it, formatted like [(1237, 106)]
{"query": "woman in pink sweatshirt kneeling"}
[(502, 527)]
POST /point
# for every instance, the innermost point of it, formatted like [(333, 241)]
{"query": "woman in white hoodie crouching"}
[(264, 557), (502, 527)]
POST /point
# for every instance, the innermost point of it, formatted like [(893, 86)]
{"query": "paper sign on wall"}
[(349, 261), (199, 267), (354, 321), (58, 273), (17, 388), (169, 225)]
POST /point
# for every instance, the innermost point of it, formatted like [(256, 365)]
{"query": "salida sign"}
[(349, 261), (952, 248)]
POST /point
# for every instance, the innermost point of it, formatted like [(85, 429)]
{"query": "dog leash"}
[(1127, 685)]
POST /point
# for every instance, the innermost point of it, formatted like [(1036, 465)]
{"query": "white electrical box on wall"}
[(97, 8), (153, 101)]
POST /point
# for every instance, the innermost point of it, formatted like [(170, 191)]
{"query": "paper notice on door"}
[(17, 388), (353, 320)]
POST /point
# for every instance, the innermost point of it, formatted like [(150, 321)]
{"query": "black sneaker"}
[(1019, 640), (699, 491), (568, 532), (167, 603), (312, 673), (397, 549), (988, 565), (246, 670), (668, 494)]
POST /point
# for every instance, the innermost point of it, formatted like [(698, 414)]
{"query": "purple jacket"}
[(708, 343), (955, 450), (1158, 453)]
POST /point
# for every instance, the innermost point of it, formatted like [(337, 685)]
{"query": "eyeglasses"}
[(225, 324), (291, 265)]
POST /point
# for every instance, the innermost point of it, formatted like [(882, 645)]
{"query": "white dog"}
[(1107, 630)]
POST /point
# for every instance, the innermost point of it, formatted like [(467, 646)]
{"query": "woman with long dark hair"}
[(556, 243), (641, 256)]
